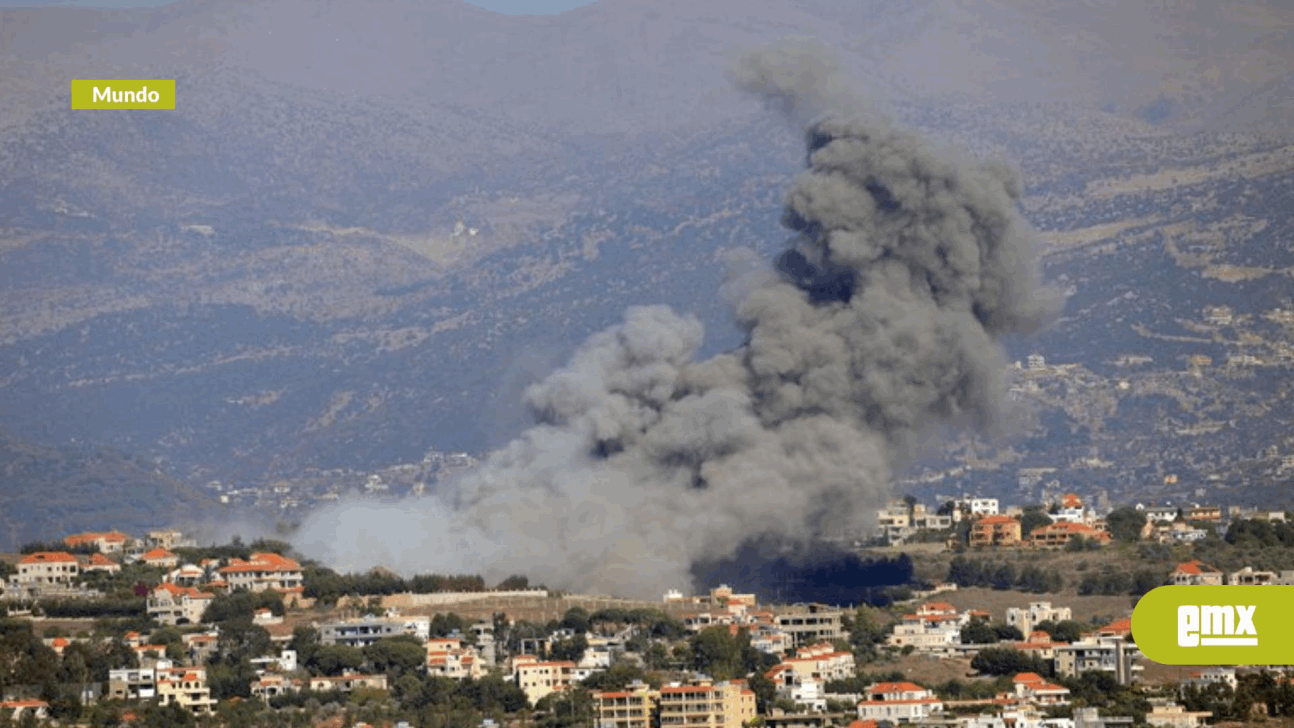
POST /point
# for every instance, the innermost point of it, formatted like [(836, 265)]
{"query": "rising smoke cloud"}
[(880, 322)]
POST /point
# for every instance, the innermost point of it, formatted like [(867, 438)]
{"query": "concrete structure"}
[(185, 687), (264, 571), (1167, 714), (934, 627), (132, 684), (1112, 655), (898, 702), (46, 568), (1055, 536), (635, 707), (172, 604), (1026, 620), (995, 531), (807, 624), (452, 658), (1195, 573), (348, 682), (369, 629), (538, 679), (110, 542), (707, 705)]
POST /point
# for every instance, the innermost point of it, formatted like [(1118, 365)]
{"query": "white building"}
[(898, 702), (1026, 620)]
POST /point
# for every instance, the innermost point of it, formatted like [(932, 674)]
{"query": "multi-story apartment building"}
[(995, 531), (1112, 654), (898, 702), (635, 707), (537, 679), (369, 629), (132, 684), (46, 568), (810, 623), (450, 657), (185, 687), (172, 604), (1055, 536), (932, 627), (109, 542), (264, 571), (1027, 619), (707, 705)]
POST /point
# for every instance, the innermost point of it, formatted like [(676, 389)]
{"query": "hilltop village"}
[(115, 629)]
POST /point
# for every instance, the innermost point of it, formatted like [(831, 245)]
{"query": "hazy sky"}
[(511, 7)]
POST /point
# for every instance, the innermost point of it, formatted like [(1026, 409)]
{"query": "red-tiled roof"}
[(159, 553), (1195, 567), (894, 687), (49, 557), (994, 520)]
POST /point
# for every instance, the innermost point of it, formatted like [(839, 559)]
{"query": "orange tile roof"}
[(1119, 626), (1195, 567), (994, 520), (1027, 677), (1071, 500), (894, 687), (49, 557), (159, 553)]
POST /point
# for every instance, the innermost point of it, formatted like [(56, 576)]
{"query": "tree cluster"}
[(967, 572)]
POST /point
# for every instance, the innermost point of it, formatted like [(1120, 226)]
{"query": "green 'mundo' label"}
[(123, 94), (1216, 625)]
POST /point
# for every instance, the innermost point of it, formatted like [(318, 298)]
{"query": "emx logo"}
[(1215, 625), (1225, 625)]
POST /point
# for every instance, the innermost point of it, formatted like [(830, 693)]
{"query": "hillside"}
[(271, 277), (50, 492)]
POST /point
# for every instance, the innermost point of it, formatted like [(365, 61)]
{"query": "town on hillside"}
[(109, 628)]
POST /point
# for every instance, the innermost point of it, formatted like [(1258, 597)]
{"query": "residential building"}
[(1203, 514), (109, 542), (16, 710), (1032, 688), (1216, 675), (271, 685), (55, 568), (201, 646), (1249, 577), (172, 604), (160, 557), (1168, 714), (264, 571), (1195, 573), (818, 663), (132, 684), (1159, 513), (1058, 535), (537, 678), (898, 702), (932, 627), (451, 657), (770, 639), (1114, 655), (1027, 619), (185, 687), (707, 705), (167, 538), (99, 562), (995, 531), (369, 629), (635, 707), (807, 624), (348, 682), (978, 506)]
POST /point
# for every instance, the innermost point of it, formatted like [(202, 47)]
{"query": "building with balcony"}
[(706, 705)]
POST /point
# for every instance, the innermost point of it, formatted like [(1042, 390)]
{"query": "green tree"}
[(1033, 518), (398, 655), (576, 618), (570, 649), (1007, 661), (1125, 524)]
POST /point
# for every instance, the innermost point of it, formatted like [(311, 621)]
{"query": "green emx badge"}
[(1216, 625)]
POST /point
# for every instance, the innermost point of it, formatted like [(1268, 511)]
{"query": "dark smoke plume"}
[(881, 321)]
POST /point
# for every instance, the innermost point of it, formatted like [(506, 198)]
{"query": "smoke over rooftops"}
[(881, 320)]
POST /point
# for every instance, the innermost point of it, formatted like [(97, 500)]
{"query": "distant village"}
[(201, 614)]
